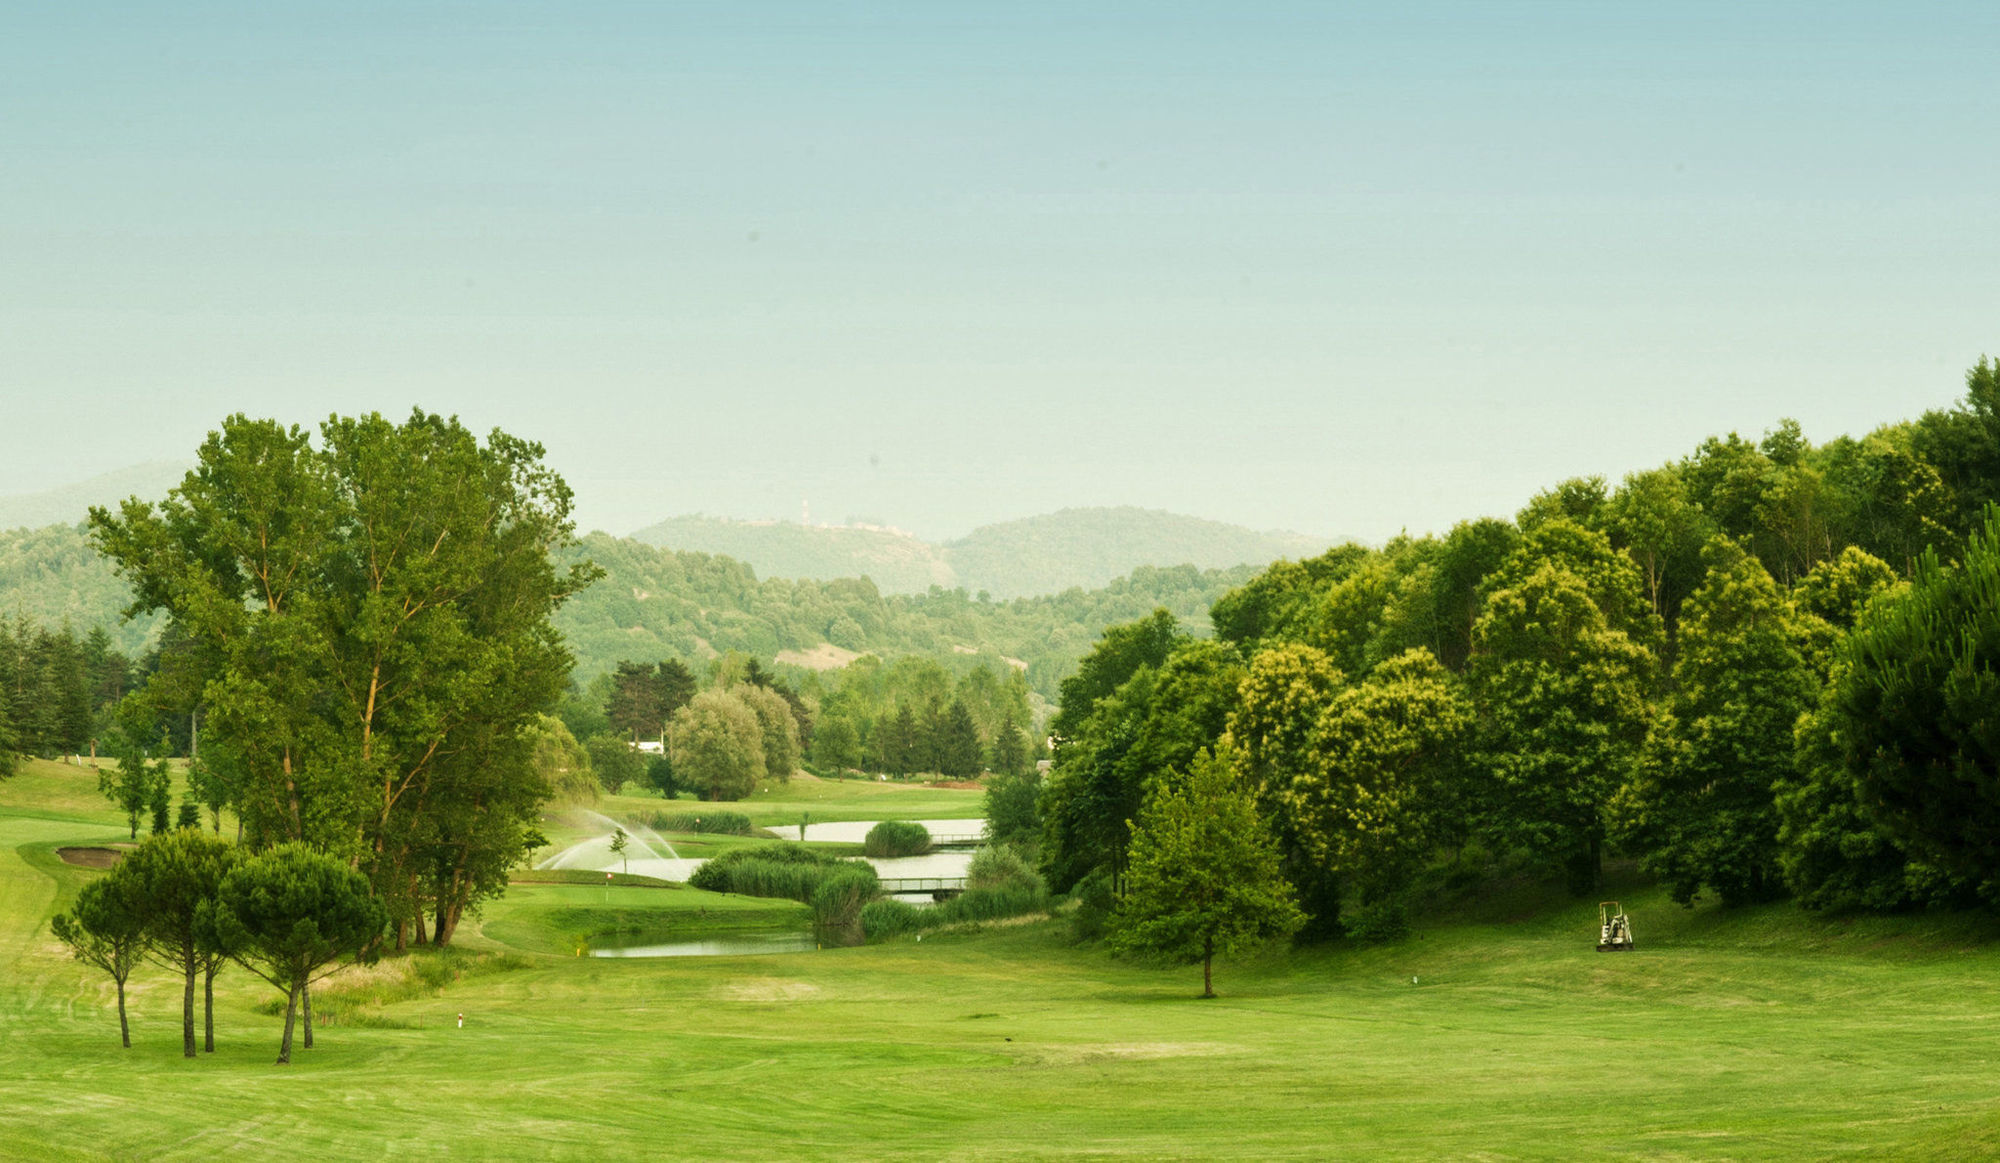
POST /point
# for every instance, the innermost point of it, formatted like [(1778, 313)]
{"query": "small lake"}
[(645, 857), (733, 945)]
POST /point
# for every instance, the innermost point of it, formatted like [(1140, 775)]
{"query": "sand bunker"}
[(90, 857)]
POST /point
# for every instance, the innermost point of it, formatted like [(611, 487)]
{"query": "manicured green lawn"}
[(1762, 1033)]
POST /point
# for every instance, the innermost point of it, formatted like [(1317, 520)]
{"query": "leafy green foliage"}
[(1378, 784), (1704, 804), (1012, 810), (291, 915), (717, 746), (178, 874), (1912, 714), (368, 623), (712, 821), (790, 871), (106, 927), (1564, 708), (1204, 874)]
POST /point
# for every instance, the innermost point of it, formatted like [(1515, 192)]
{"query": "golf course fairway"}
[(1495, 1032)]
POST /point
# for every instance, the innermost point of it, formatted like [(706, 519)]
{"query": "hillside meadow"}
[(1494, 1033)]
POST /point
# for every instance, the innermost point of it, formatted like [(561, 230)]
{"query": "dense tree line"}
[(1766, 667), (911, 716), (59, 693)]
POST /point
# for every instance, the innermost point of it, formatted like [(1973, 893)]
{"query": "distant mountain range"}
[(70, 503), (1036, 592), (1025, 558)]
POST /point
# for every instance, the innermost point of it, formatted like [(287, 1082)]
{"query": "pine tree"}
[(1010, 749), (958, 749)]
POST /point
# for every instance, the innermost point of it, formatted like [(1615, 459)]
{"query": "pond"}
[(732, 945), (648, 854)]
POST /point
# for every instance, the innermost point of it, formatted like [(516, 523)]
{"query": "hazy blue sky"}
[(1338, 268)]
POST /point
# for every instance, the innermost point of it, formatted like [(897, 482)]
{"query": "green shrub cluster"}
[(839, 897), (778, 870), (892, 838)]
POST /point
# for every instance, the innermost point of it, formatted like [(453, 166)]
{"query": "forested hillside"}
[(658, 603), (1033, 556), (54, 575)]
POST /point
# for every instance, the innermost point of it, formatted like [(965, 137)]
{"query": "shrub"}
[(1094, 901), (1005, 893), (890, 918), (778, 870), (838, 898), (1001, 866), (896, 838)]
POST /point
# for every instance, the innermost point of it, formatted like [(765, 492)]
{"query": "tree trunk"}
[(187, 1012), (447, 924), (291, 1012), (422, 938), (402, 935), (307, 993), (1208, 967), (124, 1027), (208, 1006)]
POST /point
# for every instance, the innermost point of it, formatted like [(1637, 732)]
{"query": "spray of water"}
[(637, 832), (594, 851)]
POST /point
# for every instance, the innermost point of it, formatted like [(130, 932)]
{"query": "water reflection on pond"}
[(733, 945)]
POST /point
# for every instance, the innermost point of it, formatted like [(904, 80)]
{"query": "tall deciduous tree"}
[(1286, 689), (1204, 873), (777, 728), (1704, 806), (717, 745), (291, 915), (1379, 786), (372, 620), (1563, 701)]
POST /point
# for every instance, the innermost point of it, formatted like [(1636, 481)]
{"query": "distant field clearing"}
[(825, 656)]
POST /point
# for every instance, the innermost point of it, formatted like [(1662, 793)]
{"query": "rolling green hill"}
[(896, 562), (1036, 555), (656, 603)]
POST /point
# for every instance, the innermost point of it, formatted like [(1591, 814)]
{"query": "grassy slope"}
[(1755, 1034)]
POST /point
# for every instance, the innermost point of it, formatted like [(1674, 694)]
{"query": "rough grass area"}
[(1495, 1032)]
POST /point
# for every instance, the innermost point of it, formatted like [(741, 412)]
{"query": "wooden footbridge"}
[(940, 887), (965, 840)]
